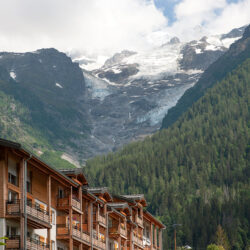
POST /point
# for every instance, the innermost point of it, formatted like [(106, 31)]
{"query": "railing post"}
[(70, 221), (22, 220)]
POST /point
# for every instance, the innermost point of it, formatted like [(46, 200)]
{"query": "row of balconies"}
[(63, 230), (13, 242)]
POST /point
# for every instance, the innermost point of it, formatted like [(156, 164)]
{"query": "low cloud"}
[(196, 18), (94, 26), (107, 26)]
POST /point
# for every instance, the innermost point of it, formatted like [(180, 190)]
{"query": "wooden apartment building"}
[(43, 208)]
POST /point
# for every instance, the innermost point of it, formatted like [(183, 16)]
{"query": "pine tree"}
[(221, 238)]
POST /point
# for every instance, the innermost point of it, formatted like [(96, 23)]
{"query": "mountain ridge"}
[(239, 51)]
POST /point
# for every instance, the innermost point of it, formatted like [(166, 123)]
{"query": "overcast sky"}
[(108, 26)]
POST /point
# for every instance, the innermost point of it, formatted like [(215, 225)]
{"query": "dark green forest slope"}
[(195, 173), (238, 53)]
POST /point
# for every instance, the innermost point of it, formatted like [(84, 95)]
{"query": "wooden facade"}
[(43, 208)]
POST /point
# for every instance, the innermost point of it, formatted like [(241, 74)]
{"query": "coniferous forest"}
[(196, 172)]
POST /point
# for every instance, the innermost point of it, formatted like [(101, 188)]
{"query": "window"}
[(12, 179), (12, 172), (11, 231), (60, 193), (110, 222), (12, 196), (29, 187)]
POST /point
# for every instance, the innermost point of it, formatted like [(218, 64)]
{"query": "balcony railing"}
[(13, 208), (85, 236), (123, 231), (38, 213), (76, 203), (98, 242), (114, 230), (36, 244), (139, 221), (63, 230), (138, 240), (64, 202), (101, 219), (13, 242)]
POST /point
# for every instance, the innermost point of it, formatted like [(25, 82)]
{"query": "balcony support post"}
[(97, 220), (70, 221), (160, 239), (80, 198), (49, 206), (22, 221), (91, 224), (119, 243), (155, 233), (132, 238), (119, 231), (151, 236)]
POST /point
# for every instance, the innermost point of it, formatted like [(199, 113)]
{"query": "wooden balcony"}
[(102, 219), (138, 241), (37, 217), (34, 244), (63, 232), (13, 242), (114, 232), (123, 232), (76, 203), (64, 204), (85, 237), (98, 243), (139, 221), (13, 207)]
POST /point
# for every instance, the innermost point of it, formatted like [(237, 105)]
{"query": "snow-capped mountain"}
[(88, 106), (133, 90)]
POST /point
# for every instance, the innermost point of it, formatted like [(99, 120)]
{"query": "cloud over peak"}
[(108, 26)]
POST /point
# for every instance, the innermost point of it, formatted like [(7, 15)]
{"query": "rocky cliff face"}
[(87, 112), (132, 91)]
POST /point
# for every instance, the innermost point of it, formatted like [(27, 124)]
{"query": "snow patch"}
[(198, 51), (228, 41), (59, 85), (116, 70), (211, 47), (13, 75), (155, 61)]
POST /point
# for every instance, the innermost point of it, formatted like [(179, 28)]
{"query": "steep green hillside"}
[(51, 88), (237, 54), (195, 173), (15, 125)]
